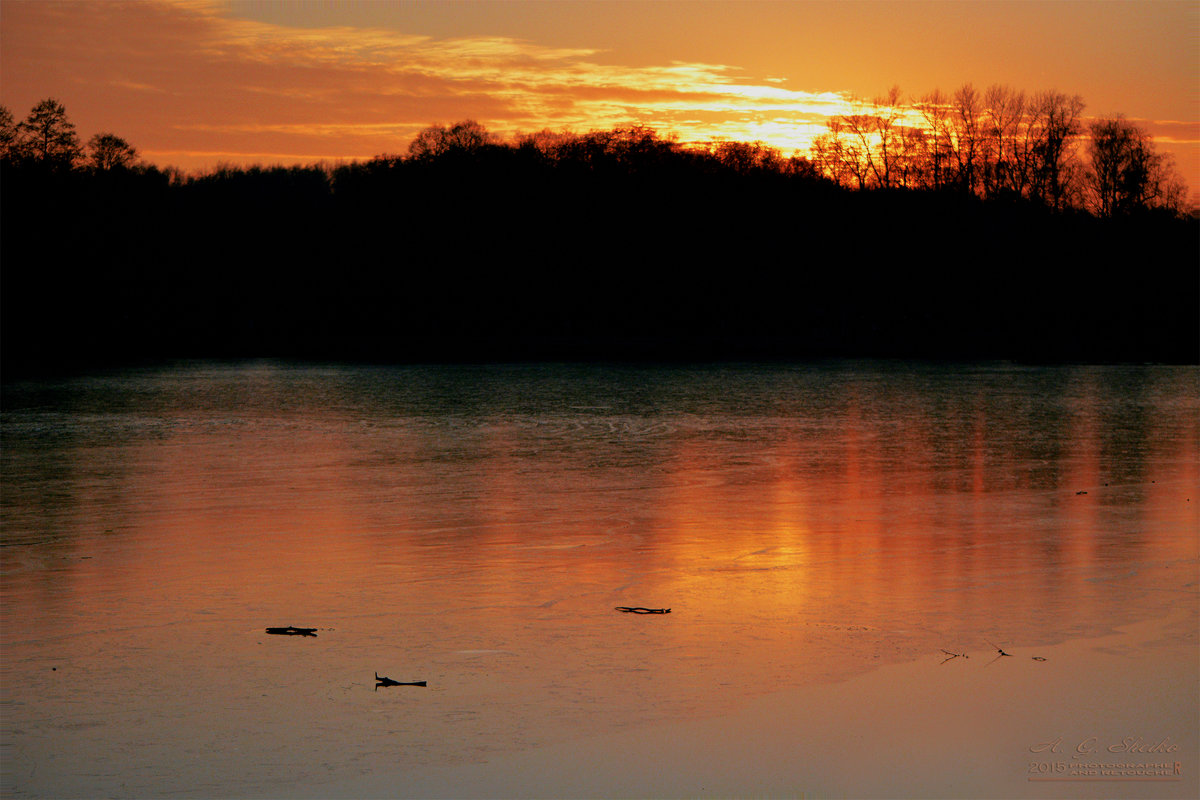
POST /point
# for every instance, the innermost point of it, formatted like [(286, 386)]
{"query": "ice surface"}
[(474, 527)]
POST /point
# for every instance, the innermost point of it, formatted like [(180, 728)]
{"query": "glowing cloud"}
[(192, 82), (208, 86)]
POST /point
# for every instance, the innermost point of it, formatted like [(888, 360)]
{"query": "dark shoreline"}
[(506, 262)]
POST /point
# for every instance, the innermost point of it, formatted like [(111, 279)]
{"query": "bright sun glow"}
[(194, 82)]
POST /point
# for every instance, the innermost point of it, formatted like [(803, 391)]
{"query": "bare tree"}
[(546, 142), (800, 167), (9, 138), (844, 152), (467, 136), (429, 143), (886, 119), (1053, 130), (966, 111), (911, 160), (937, 146), (747, 157), (859, 129), (1004, 121), (866, 145), (1000, 142), (1127, 174), (829, 154), (641, 145), (107, 151), (48, 136)]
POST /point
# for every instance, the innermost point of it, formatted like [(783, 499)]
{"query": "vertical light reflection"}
[(484, 546), (788, 524), (1081, 487)]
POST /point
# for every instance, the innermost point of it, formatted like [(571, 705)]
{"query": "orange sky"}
[(192, 83)]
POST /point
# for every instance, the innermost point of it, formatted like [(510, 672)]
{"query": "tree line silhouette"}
[(1000, 143), (613, 244)]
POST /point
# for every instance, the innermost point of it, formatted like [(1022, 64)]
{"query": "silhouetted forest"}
[(609, 245)]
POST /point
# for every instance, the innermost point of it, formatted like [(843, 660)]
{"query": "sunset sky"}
[(192, 83)]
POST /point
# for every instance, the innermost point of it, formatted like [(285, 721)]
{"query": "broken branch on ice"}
[(386, 681), (293, 631)]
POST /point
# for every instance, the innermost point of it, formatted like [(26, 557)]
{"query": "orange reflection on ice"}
[(484, 549)]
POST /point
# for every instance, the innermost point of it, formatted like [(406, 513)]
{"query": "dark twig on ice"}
[(952, 655), (640, 610), (998, 650), (292, 631), (385, 681)]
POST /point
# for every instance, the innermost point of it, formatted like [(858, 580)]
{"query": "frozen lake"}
[(474, 527)]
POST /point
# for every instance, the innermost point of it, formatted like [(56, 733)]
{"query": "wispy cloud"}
[(1172, 131), (222, 83), (188, 79)]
